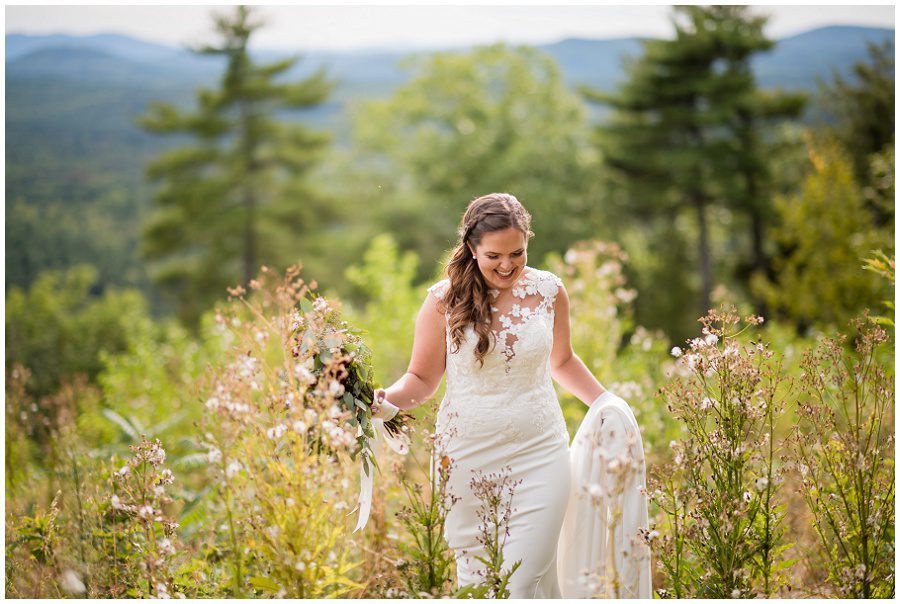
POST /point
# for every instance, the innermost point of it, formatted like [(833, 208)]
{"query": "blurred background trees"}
[(683, 185), (238, 198)]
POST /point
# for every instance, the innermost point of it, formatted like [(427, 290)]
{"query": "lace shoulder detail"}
[(540, 282), (439, 289)]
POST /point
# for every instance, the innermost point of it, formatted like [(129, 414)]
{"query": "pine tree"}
[(684, 133), (237, 197)]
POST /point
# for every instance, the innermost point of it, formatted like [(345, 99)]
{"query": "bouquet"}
[(335, 352)]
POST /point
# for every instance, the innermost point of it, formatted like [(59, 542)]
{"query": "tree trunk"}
[(703, 251)]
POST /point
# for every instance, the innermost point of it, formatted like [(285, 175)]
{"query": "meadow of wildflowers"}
[(236, 471)]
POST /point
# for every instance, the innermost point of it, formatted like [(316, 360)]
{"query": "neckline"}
[(494, 293)]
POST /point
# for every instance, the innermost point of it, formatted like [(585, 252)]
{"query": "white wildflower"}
[(214, 456), (676, 352), (335, 388), (276, 432), (146, 511), (166, 547), (212, 403), (300, 427), (232, 469), (71, 582), (762, 483)]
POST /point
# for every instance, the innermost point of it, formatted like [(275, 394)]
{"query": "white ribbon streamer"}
[(366, 481)]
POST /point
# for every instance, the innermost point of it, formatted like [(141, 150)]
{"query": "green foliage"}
[(684, 141), (237, 197), (496, 118), (428, 561), (863, 107), (389, 315), (824, 230), (883, 266), (60, 326)]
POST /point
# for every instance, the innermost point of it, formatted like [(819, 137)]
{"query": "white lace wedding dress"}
[(506, 415)]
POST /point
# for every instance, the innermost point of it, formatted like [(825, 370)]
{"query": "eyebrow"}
[(521, 249)]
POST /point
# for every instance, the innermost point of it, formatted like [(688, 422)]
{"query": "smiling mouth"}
[(505, 275)]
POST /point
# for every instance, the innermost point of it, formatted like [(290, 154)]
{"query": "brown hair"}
[(467, 300)]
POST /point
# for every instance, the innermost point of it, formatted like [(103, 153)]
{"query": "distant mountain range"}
[(65, 94), (793, 64)]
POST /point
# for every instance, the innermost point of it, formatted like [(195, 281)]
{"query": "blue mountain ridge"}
[(794, 63)]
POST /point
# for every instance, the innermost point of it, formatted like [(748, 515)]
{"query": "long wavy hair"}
[(467, 301)]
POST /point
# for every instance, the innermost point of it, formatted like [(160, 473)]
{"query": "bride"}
[(500, 329)]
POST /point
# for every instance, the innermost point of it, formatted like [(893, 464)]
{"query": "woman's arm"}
[(426, 367), (567, 369)]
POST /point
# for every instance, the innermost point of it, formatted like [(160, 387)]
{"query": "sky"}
[(370, 26)]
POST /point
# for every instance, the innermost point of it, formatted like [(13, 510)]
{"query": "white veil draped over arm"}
[(601, 551)]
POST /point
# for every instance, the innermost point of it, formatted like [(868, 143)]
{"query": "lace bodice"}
[(513, 391)]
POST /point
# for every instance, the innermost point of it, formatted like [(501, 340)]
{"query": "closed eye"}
[(516, 254)]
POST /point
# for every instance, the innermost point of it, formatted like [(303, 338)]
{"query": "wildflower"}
[(276, 432), (214, 456), (166, 476), (747, 496), (301, 566), (273, 531), (166, 547), (335, 388), (300, 427), (71, 582), (320, 304), (116, 503), (676, 352), (304, 374), (146, 511), (124, 470), (735, 593), (762, 483), (156, 455), (711, 339), (212, 403), (232, 469)]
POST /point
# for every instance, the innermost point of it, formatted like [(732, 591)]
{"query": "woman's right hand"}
[(378, 398)]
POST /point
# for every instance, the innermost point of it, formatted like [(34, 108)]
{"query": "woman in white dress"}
[(500, 330)]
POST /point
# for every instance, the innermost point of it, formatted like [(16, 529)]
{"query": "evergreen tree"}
[(863, 109), (237, 198), (684, 133)]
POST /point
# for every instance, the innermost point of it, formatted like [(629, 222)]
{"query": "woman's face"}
[(502, 256)]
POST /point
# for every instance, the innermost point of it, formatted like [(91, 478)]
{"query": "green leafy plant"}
[(722, 533), (844, 453)]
